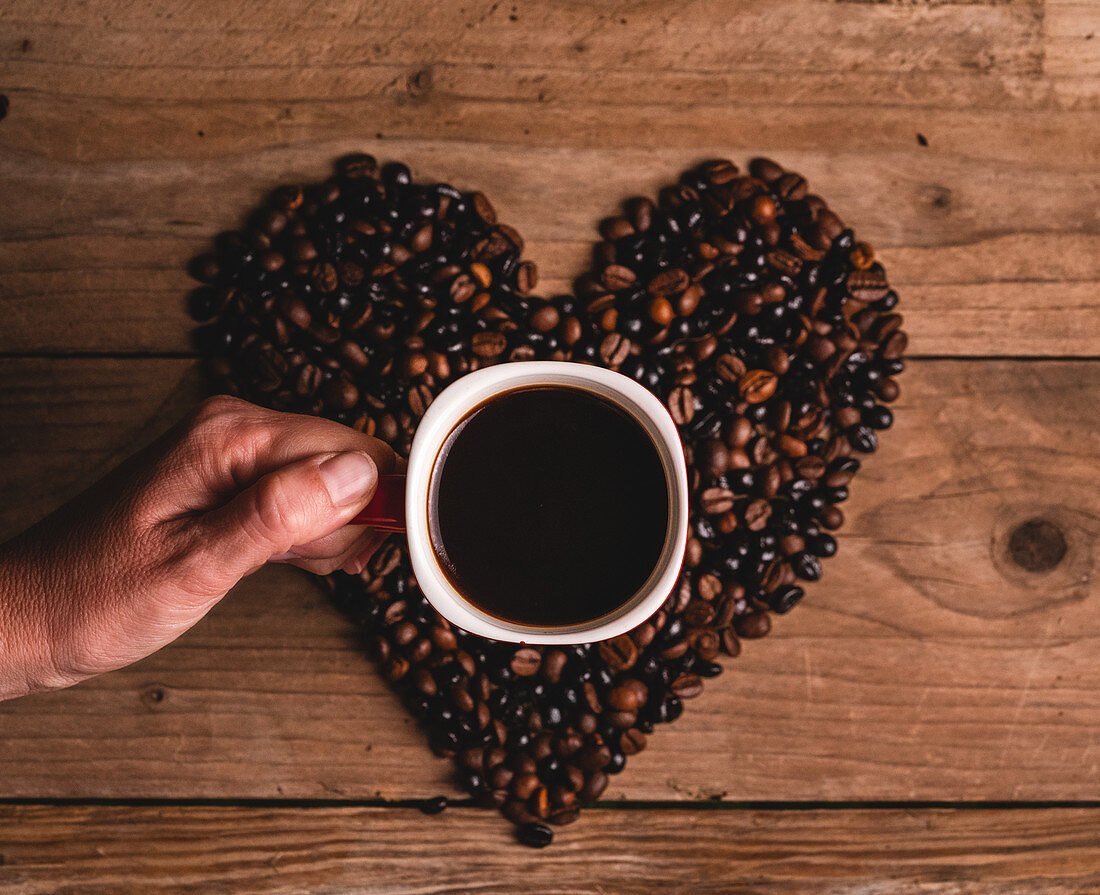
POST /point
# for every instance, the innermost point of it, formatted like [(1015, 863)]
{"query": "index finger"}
[(229, 444)]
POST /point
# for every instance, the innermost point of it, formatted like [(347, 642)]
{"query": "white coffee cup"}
[(402, 502)]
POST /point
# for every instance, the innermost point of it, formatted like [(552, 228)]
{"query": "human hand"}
[(140, 557)]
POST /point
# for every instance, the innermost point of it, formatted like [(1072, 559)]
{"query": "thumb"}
[(296, 504)]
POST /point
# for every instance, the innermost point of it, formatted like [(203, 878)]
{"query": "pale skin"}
[(144, 554)]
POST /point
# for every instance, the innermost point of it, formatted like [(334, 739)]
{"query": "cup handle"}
[(386, 510)]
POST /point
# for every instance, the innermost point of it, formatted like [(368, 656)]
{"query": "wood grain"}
[(958, 137), (135, 134), (325, 851), (926, 664)]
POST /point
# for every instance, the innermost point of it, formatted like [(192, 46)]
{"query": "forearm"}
[(28, 626)]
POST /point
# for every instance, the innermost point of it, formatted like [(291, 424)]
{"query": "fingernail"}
[(348, 477), (283, 557)]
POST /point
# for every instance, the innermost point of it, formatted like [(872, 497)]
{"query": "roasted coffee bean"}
[(488, 345), (724, 610), (462, 288), (614, 349), (434, 806), (396, 669), (731, 646), (616, 228), (698, 613), (500, 777), (535, 835), (757, 386), (688, 301), (708, 586), (660, 311), (681, 405), (632, 741), (385, 560), (810, 467), (266, 368), (756, 514), (867, 285), (806, 566), (553, 664), (668, 282), (413, 364), (778, 360), (595, 782), (704, 347), (325, 278), (763, 209), (420, 398), (712, 457), (738, 432), (545, 319), (675, 650), (356, 166), (483, 208), (706, 644), (863, 438), (640, 212), (516, 811), (616, 277), (622, 720), (340, 393), (719, 171), (619, 653), (526, 277), (404, 633), (888, 390), (752, 625), (717, 500), (687, 686), (791, 186), (539, 803), (352, 355), (765, 169), (792, 544), (895, 346), (729, 367), (821, 544), (623, 699), (878, 417), (561, 797), (784, 599), (525, 662), (296, 311), (307, 380)]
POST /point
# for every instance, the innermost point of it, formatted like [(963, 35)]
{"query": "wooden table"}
[(928, 718)]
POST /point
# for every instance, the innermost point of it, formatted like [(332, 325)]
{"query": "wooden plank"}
[(767, 35), (925, 665), (279, 851), (100, 265), (122, 154), (987, 54)]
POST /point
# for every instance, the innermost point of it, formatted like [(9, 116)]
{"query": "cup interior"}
[(452, 406)]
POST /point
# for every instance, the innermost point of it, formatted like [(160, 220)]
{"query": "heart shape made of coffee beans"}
[(741, 300)]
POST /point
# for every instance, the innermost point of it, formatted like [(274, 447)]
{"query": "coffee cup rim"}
[(452, 405)]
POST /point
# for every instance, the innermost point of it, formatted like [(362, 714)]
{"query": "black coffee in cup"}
[(549, 506)]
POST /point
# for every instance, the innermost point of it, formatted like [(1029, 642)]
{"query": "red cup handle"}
[(386, 510)]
